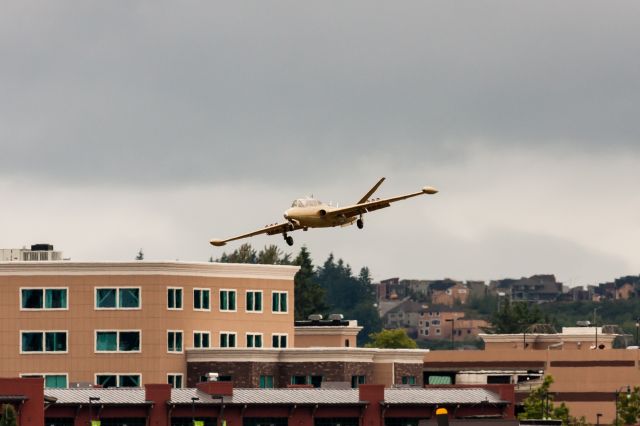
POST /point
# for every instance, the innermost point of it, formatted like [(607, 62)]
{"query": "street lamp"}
[(595, 325), (598, 415), (618, 396), (637, 328), (453, 329), (193, 409), (91, 400)]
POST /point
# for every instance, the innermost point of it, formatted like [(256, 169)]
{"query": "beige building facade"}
[(130, 323)]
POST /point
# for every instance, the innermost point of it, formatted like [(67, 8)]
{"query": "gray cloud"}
[(153, 91)]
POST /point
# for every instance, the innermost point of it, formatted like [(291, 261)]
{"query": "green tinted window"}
[(55, 298), (106, 341), (55, 381), (55, 341), (106, 298), (32, 342), (32, 298), (129, 297)]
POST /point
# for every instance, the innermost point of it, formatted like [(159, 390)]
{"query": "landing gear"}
[(288, 239), (360, 223)]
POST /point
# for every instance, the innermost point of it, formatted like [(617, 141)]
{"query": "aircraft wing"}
[(371, 205), (276, 228)]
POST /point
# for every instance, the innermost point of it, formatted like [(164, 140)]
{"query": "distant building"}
[(535, 289), (448, 292), (37, 253), (405, 315), (574, 338)]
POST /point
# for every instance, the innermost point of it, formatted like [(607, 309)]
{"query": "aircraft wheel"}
[(360, 223), (289, 240)]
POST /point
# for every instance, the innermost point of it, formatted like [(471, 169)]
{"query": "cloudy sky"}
[(159, 125)]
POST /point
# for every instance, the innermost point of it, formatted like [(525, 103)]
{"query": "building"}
[(535, 289), (37, 253), (574, 338), (219, 403), (405, 315), (332, 332), (279, 368), (448, 292), (130, 323), (435, 322)]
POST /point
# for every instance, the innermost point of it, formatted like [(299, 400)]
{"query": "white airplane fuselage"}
[(316, 217)]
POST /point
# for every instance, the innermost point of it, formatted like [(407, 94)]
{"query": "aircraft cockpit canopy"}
[(306, 202)]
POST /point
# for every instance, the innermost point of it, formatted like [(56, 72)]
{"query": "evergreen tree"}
[(515, 317), (140, 255), (272, 255), (628, 406), (309, 295)]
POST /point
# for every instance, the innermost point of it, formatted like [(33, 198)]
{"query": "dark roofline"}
[(13, 398)]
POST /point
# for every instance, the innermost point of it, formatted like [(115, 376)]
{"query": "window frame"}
[(280, 335), (193, 293), (235, 334), (44, 376), (173, 386), (169, 288), (279, 311), (44, 298), (208, 333), (117, 375), (235, 299), (246, 307), (44, 350), (117, 307), (181, 351), (254, 340), (117, 331)]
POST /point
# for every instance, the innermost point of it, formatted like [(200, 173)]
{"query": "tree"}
[(309, 295), (515, 317), (140, 255), (391, 339), (272, 255), (539, 405), (9, 417), (628, 406), (269, 255)]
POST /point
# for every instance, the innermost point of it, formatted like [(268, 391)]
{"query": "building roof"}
[(128, 396), (441, 396), (399, 396)]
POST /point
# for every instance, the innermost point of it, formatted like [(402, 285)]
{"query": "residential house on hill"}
[(406, 315), (535, 289), (448, 292), (439, 321)]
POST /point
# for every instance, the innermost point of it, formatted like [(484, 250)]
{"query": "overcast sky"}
[(159, 125)]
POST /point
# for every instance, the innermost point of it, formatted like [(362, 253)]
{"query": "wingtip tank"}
[(429, 190), (217, 243)]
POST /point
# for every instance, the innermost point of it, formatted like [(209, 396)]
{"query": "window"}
[(118, 341), (279, 340), (408, 380), (118, 298), (119, 380), (43, 341), (227, 300), (51, 380), (435, 322), (315, 381), (358, 380), (201, 339), (174, 341), (437, 331), (266, 382), (279, 301), (254, 340), (254, 301), (201, 299), (175, 380), (227, 339), (43, 298), (174, 298)]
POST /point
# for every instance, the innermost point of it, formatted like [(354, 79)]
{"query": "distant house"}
[(405, 315), (448, 292), (536, 289), (435, 323)]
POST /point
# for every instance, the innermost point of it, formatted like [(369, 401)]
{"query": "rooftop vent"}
[(336, 317), (315, 317)]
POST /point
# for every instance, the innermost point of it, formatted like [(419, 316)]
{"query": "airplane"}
[(308, 213)]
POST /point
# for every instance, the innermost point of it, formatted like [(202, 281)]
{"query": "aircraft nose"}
[(286, 215)]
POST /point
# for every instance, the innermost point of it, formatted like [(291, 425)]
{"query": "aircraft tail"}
[(371, 191)]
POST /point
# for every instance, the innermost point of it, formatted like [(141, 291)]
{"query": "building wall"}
[(585, 380), (153, 319)]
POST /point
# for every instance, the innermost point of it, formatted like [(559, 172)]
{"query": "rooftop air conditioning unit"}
[(315, 317), (336, 317), (212, 377)]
